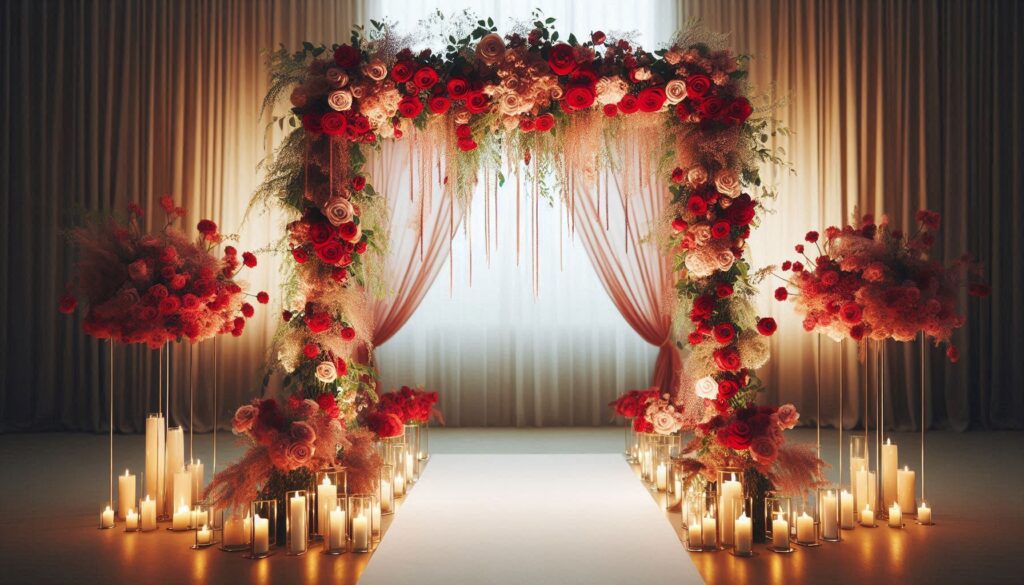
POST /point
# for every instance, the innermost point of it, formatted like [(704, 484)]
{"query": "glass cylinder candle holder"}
[(205, 535), (729, 485), (200, 515), (858, 464), (702, 525), (235, 528), (895, 516), (661, 461), (360, 522), (778, 511), (328, 484), (630, 449), (387, 489), (743, 529), (147, 514), (296, 522), (674, 493), (847, 509), (263, 528), (804, 523), (336, 527), (924, 515), (423, 452), (107, 518), (828, 513), (412, 442), (376, 517), (394, 455), (132, 518)]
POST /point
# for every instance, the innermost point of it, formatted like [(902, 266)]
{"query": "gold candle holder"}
[(263, 528)]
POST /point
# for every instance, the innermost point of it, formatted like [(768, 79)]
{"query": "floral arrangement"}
[(401, 407), (157, 287), (873, 281), (633, 403)]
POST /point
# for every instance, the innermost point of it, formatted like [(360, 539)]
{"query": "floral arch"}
[(539, 111)]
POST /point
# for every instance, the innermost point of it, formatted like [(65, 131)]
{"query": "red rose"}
[(781, 293), (262, 298), (410, 106), (696, 205), (597, 37), (651, 99), (347, 232), (318, 322), (545, 122), (178, 281), (359, 123), (348, 333), (720, 229), (766, 326), (476, 103), (703, 306), (851, 313), (402, 71), (857, 332), (339, 274), (385, 424), (697, 86), (358, 182), (457, 87), (610, 110), (741, 212), (628, 104), (711, 107), (300, 255), (330, 252), (311, 350), (425, 77), (169, 305), (333, 124), (439, 104), (679, 225), (579, 97), (694, 338), (249, 259), (466, 144), (319, 233), (724, 332), (727, 359), (67, 304), (207, 227), (642, 425), (678, 175), (347, 56), (463, 131), (811, 236), (230, 251), (727, 389), (723, 290), (561, 59), (738, 111)]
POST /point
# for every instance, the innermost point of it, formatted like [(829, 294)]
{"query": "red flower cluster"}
[(155, 288), (410, 405), (633, 403), (757, 429), (334, 244), (302, 434)]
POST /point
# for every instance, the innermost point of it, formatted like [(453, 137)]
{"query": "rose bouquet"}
[(157, 287), (633, 403), (873, 281), (400, 407)]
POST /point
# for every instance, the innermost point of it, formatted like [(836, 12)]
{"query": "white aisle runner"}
[(529, 520)]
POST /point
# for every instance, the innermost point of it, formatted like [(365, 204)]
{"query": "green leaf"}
[(549, 20), (490, 22), (572, 39)]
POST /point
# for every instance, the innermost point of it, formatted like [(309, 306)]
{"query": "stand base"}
[(781, 551), (234, 547), (808, 544), (924, 523), (742, 555), (202, 546), (334, 553), (260, 556)]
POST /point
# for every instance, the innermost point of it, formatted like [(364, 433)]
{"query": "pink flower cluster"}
[(300, 434), (754, 429)]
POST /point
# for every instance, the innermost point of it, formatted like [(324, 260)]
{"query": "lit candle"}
[(895, 516), (148, 513), (387, 496), (182, 489), (829, 516), (693, 532), (780, 532), (155, 460), (707, 529), (865, 489), (337, 528), (235, 533), (731, 492), (857, 464), (297, 524), (261, 535), (107, 517), (204, 536), (181, 517), (867, 516), (805, 528), (848, 518), (662, 477), (131, 520), (744, 534), (125, 493), (198, 517), (175, 460), (924, 514), (889, 467), (399, 484), (197, 480), (905, 488), (326, 498), (360, 533)]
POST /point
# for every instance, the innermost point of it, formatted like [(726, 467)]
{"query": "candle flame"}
[(326, 481), (887, 441), (126, 472)]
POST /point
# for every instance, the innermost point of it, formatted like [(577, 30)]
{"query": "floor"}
[(54, 485)]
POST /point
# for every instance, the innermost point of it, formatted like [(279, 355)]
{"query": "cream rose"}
[(338, 210), (673, 57), (724, 259), (701, 233), (610, 90), (706, 387), (375, 70), (326, 372), (696, 176), (642, 73), (490, 48), (340, 100), (675, 91), (727, 182), (462, 116), (336, 77), (698, 264)]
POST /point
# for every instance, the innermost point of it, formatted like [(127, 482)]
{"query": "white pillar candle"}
[(399, 484), (125, 494), (235, 533), (156, 459), (297, 524), (744, 534), (829, 516), (148, 513), (261, 535), (181, 517), (107, 517), (895, 516), (198, 479), (131, 519), (924, 514), (890, 464), (175, 458), (905, 489), (360, 533), (867, 516), (387, 496), (693, 536), (661, 476), (707, 529), (182, 489), (376, 520), (780, 532), (732, 491), (337, 528), (326, 499), (204, 536), (857, 464), (847, 516), (805, 528)]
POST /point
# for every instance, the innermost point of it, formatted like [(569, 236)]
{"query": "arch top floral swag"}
[(539, 110)]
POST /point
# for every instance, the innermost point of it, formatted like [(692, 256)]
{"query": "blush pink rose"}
[(303, 432), (244, 418), (763, 450), (787, 416), (299, 454)]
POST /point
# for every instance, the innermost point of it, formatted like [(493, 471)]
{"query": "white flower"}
[(675, 91), (701, 233), (326, 372), (340, 100), (727, 182), (338, 210), (610, 90), (642, 73), (706, 387), (696, 176)]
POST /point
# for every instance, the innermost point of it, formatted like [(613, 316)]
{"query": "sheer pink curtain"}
[(617, 211)]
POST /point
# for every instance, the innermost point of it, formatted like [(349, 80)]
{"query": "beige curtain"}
[(108, 102), (897, 106)]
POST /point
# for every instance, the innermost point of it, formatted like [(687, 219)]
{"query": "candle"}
[(693, 533), (204, 536), (176, 463), (360, 534), (744, 534), (895, 516), (182, 488), (865, 489), (125, 493), (148, 509), (179, 521), (326, 498), (857, 464), (387, 496), (847, 518), (376, 520), (780, 532), (198, 517), (905, 479), (731, 492), (829, 516), (131, 521), (198, 479), (236, 531), (155, 459), (662, 478), (337, 528), (297, 524), (924, 514), (410, 465), (867, 517), (107, 517), (261, 535), (805, 528), (889, 468), (399, 484), (707, 530)]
